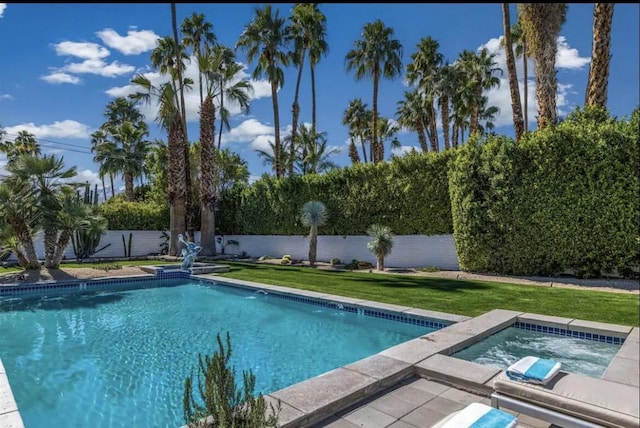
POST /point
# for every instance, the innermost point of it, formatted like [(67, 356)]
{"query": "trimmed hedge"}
[(123, 215), (409, 194), (567, 197)]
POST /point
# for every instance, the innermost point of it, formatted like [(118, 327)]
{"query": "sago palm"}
[(313, 215), (377, 54), (381, 243)]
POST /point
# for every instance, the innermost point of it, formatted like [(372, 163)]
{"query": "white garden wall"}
[(408, 250)]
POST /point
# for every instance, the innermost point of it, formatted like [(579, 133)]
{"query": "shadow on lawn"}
[(378, 280)]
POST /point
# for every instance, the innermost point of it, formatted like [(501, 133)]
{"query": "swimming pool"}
[(119, 358), (582, 356)]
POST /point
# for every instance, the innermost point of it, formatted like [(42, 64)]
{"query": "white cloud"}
[(84, 50), (3, 6), (134, 43), (99, 67), (64, 129), (57, 77), (567, 58), (402, 150), (6, 97), (261, 88), (247, 131), (88, 175)]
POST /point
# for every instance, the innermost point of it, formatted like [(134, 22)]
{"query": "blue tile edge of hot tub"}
[(556, 331), (21, 290)]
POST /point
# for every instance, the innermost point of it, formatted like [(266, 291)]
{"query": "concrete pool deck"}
[(346, 395)]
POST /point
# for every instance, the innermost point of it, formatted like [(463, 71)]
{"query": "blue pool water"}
[(120, 358), (504, 348)]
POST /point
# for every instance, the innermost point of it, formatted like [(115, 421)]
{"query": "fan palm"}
[(264, 39), (411, 115), (313, 215), (446, 88), (355, 118), (375, 55), (196, 32), (381, 243), (19, 219), (596, 94), (130, 153), (312, 156), (541, 23), (514, 86)]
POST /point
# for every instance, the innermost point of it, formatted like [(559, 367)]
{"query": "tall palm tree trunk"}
[(276, 122), (525, 92), (128, 186), (176, 48), (63, 240), (221, 113), (364, 148), (422, 138), (177, 184), (104, 188), (516, 106), (444, 113), (296, 113), (454, 136), (546, 85), (113, 191), (207, 182), (433, 129), (50, 238), (374, 132), (474, 120), (313, 98), (596, 93)]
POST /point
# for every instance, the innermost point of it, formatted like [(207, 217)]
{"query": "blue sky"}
[(63, 63)]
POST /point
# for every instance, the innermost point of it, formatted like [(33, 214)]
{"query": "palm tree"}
[(196, 32), (375, 55), (387, 130), (520, 42), (596, 94), (516, 106), (446, 88), (178, 53), (318, 48), (411, 115), (269, 156), (313, 152), (130, 153), (19, 219), (381, 243), (313, 215), (355, 118), (353, 152), (479, 73), (23, 143), (264, 39), (47, 177), (169, 117), (541, 23), (423, 72), (104, 150)]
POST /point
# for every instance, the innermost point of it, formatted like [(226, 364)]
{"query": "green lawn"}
[(463, 297), (99, 265)]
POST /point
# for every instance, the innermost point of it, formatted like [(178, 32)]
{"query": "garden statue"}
[(189, 253)]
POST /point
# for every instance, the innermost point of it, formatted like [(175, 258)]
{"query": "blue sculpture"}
[(189, 253)]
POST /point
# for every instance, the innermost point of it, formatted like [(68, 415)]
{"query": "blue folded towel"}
[(477, 415), (534, 370)]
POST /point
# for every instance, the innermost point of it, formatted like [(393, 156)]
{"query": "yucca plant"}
[(314, 214), (381, 243)]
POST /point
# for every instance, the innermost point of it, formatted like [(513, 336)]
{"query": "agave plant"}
[(381, 243), (314, 214)]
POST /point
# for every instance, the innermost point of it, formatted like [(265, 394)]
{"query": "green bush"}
[(123, 215), (566, 197), (410, 194), (335, 261)]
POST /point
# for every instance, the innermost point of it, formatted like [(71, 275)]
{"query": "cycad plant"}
[(314, 214), (381, 243)]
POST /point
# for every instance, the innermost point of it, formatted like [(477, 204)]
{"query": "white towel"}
[(534, 370), (479, 415)]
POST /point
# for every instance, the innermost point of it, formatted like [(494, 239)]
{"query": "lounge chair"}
[(571, 401)]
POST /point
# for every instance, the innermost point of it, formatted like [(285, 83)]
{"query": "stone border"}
[(9, 414)]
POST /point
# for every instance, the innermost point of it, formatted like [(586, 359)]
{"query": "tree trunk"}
[(128, 186), (374, 131), (353, 153), (596, 93), (221, 113), (525, 72), (24, 237), (177, 183), (176, 48), (454, 137), (380, 262), (50, 239), (516, 106), (422, 138), (313, 98), (434, 129), (546, 84), (296, 113), (104, 188), (276, 122), (313, 244), (474, 121), (444, 112), (63, 241), (113, 191), (207, 178)]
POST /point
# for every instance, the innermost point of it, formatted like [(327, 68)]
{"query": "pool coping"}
[(428, 356)]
